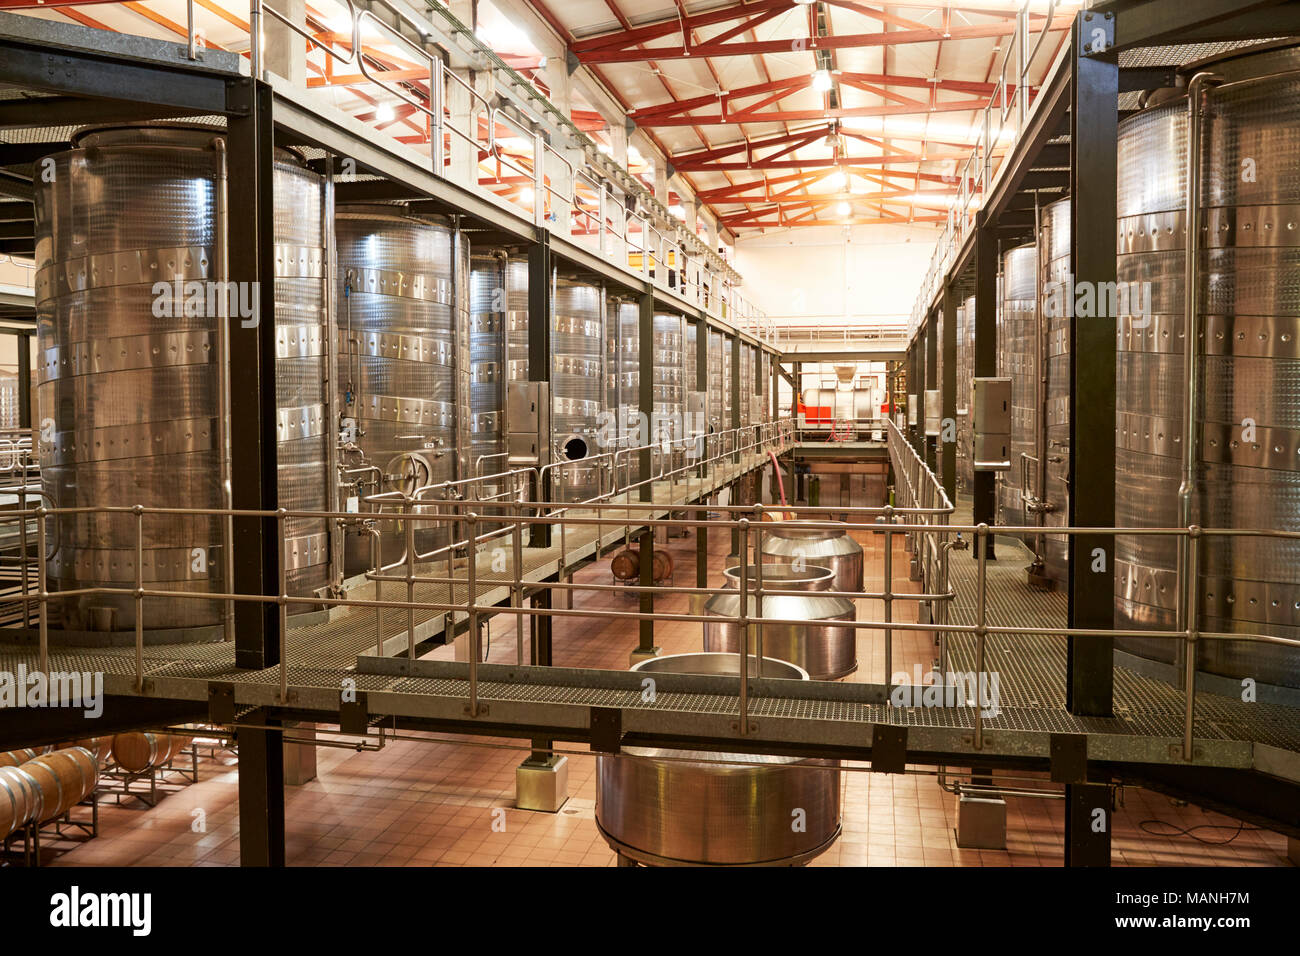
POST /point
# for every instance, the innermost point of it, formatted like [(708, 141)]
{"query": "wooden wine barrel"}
[(14, 758), (139, 751), (662, 565), (61, 779), (17, 800), (626, 565), (101, 747)]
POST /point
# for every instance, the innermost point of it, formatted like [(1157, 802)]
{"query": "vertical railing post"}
[(255, 38), (139, 598), (471, 600), (437, 103), (981, 541), (408, 527), (743, 627), (282, 599), (517, 585), (889, 597), (43, 595)]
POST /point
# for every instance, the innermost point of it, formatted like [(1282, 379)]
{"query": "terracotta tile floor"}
[(417, 804)]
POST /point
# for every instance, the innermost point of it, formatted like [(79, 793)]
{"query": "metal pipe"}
[(1191, 342), (222, 269)]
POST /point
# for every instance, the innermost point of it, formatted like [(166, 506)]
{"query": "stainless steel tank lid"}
[(811, 607), (784, 577)]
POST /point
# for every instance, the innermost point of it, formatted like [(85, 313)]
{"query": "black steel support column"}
[(1087, 824), (646, 398), (253, 420), (931, 382), (983, 497), (24, 345), (1093, 174), (646, 642), (1093, 137), (540, 277), (261, 792), (646, 394), (539, 636), (948, 427)]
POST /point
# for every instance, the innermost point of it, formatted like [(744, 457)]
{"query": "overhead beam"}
[(687, 50)]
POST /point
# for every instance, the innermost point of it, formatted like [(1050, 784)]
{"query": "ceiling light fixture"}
[(842, 209), (821, 80), (384, 113)]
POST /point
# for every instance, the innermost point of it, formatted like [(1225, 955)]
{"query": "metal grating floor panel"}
[(1031, 668)]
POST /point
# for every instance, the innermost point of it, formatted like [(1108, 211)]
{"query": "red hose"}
[(780, 482)]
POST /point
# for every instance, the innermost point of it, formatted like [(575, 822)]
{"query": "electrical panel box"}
[(991, 425), (528, 415), (933, 412)]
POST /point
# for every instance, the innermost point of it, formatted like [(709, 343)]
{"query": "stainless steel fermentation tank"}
[(624, 400), (405, 373), (681, 807), (965, 383), (1017, 342), (1245, 453), (717, 420), (489, 370), (821, 644), (669, 393), (1050, 471), (578, 387), (132, 321)]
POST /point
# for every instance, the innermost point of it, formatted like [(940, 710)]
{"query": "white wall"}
[(820, 276)]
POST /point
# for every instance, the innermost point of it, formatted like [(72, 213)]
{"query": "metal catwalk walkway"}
[(851, 720)]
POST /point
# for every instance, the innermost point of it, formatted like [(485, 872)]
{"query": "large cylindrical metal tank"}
[(1247, 474), (728, 374), (965, 402), (487, 363), (826, 649), (655, 807), (624, 358), (717, 421), (516, 280), (402, 318), (669, 394), (130, 314), (1052, 473), (578, 388), (1017, 344), (786, 542)]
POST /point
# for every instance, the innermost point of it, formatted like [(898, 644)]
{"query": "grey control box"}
[(991, 424), (528, 417)]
